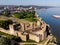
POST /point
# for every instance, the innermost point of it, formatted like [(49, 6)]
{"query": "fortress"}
[(31, 30)]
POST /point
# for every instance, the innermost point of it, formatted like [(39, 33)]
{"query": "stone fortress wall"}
[(34, 32)]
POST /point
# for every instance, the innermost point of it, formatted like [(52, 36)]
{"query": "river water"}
[(47, 16)]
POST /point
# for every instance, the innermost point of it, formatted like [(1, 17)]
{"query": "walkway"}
[(48, 39)]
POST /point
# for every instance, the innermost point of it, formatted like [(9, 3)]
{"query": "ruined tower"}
[(32, 25), (23, 26), (11, 27), (38, 24)]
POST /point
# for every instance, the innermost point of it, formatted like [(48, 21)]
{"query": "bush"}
[(4, 41), (5, 23)]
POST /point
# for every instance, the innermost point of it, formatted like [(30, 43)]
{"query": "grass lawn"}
[(30, 44), (32, 41), (43, 41)]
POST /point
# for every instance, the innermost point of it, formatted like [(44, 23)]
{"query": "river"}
[(47, 16)]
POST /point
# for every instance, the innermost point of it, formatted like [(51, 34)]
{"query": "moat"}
[(54, 23)]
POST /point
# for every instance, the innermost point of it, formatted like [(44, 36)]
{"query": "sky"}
[(31, 2)]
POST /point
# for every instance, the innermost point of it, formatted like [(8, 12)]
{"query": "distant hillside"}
[(34, 6)]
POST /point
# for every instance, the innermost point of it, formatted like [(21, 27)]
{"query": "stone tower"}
[(26, 28), (11, 27), (38, 23), (23, 26), (32, 25)]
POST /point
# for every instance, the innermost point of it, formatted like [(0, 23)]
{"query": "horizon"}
[(31, 2), (21, 5)]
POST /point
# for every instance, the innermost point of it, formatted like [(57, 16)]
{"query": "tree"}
[(6, 12), (5, 23), (4, 41)]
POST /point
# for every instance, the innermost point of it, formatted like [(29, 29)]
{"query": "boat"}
[(56, 16)]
